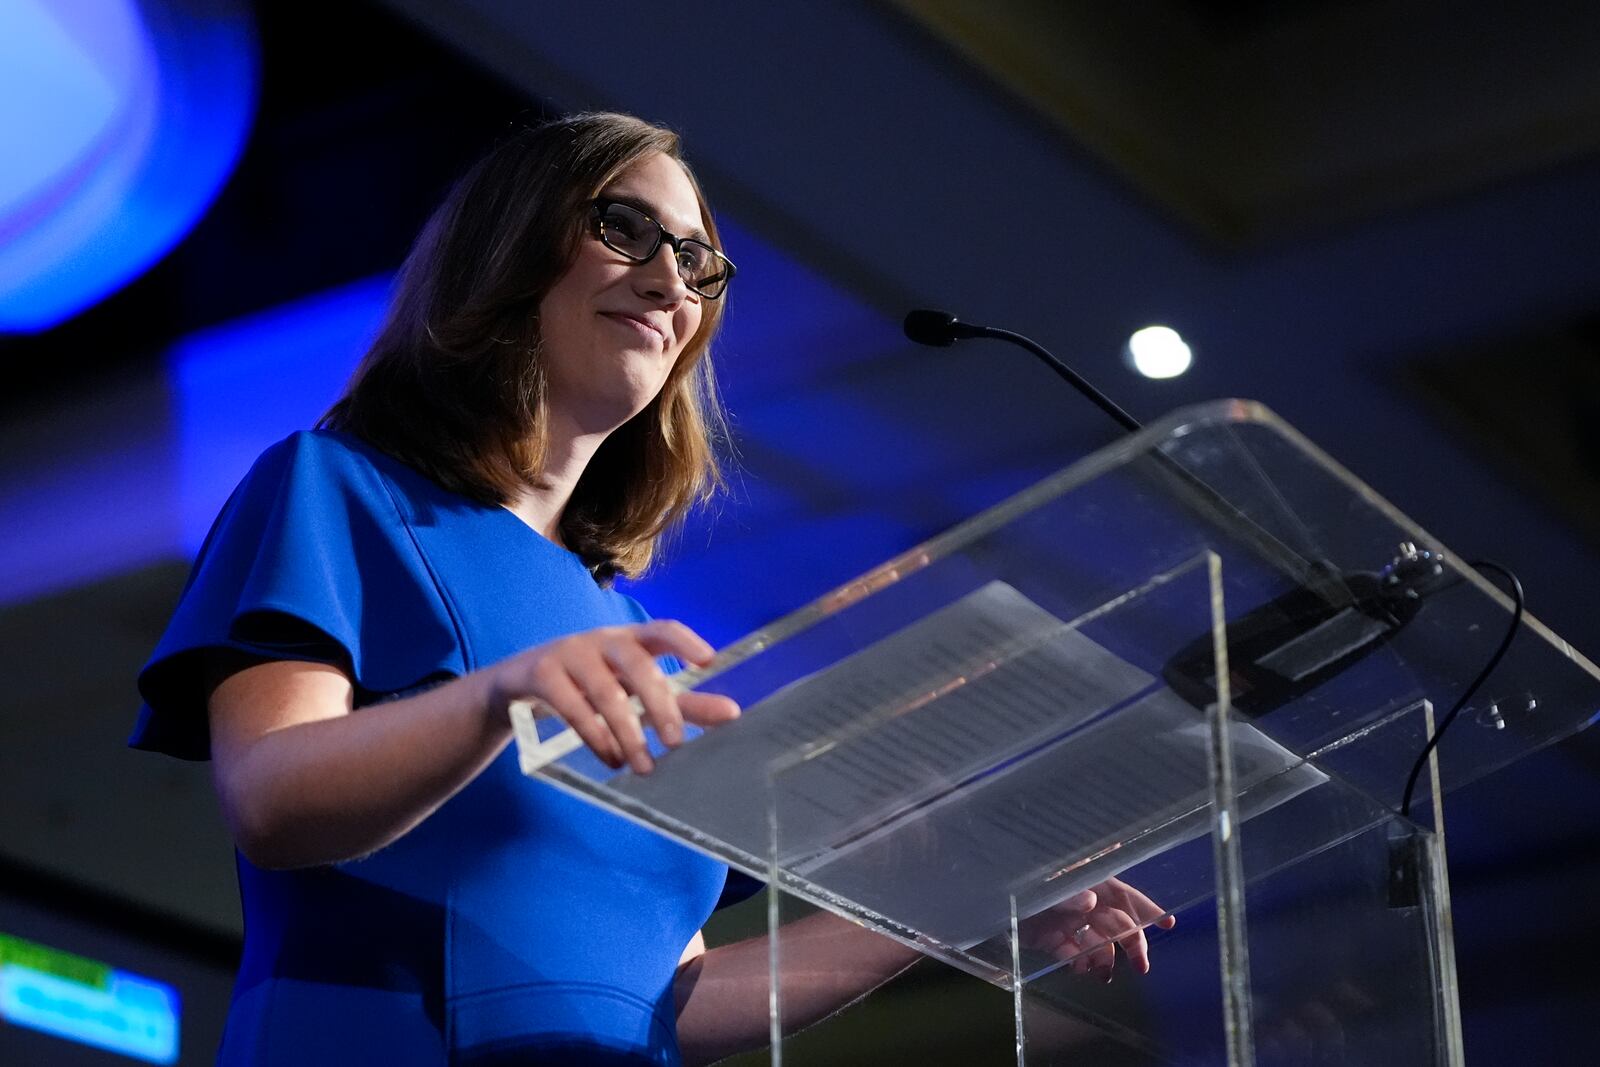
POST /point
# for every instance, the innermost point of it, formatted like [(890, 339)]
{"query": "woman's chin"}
[(603, 415)]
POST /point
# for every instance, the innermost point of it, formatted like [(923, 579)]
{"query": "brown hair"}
[(454, 383)]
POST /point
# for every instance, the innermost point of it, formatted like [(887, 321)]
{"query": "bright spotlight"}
[(1158, 352)]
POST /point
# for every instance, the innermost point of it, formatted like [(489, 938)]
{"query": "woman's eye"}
[(696, 260), (622, 226)]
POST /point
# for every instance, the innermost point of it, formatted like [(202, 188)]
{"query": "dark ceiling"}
[(1258, 122)]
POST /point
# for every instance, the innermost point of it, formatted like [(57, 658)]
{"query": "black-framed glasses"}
[(625, 229)]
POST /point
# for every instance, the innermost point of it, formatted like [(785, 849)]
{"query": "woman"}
[(536, 411)]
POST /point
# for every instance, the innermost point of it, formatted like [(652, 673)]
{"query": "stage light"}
[(1159, 352), (120, 121)]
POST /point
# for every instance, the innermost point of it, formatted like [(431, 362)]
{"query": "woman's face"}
[(612, 328)]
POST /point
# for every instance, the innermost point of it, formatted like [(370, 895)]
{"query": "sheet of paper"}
[(953, 694), (1059, 821)]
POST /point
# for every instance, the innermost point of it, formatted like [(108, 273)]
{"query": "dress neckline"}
[(539, 536)]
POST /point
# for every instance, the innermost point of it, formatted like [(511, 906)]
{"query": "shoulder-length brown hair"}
[(454, 383)]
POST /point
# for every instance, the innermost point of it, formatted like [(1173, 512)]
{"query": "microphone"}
[(940, 329), (1289, 645)]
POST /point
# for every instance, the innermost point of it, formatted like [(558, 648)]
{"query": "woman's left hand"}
[(1087, 927)]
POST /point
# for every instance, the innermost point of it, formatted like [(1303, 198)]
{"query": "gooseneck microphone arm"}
[(928, 327), (941, 329)]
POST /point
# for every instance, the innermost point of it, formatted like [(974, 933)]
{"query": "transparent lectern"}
[(1199, 664)]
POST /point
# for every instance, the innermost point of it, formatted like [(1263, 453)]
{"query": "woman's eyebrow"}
[(640, 204)]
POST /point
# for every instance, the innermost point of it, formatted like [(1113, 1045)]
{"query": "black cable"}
[(1494, 661)]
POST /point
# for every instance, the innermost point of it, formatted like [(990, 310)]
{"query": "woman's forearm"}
[(304, 780), (826, 964), (343, 786)]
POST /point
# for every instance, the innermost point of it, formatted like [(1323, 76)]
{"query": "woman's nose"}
[(661, 277)]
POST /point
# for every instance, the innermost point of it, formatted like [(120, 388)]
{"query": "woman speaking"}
[(537, 409)]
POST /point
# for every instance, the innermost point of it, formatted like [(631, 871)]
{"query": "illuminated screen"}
[(84, 1000), (88, 980)]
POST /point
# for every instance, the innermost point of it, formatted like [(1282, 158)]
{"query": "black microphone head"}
[(929, 327)]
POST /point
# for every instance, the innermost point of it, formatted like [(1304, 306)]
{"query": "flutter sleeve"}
[(309, 560)]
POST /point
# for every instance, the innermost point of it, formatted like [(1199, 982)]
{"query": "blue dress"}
[(515, 924)]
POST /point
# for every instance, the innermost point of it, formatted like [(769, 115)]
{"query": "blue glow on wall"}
[(238, 388), (120, 122)]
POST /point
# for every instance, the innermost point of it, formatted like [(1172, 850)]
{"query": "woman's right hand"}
[(588, 678)]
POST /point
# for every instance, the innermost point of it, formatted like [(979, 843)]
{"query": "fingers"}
[(555, 687), (1050, 939), (668, 637), (1092, 945), (641, 676), (1120, 928), (707, 709), (590, 678), (1123, 914), (1087, 927), (609, 700), (1084, 901), (1135, 903), (1084, 948), (631, 654)]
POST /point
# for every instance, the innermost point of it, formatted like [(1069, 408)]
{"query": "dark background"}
[(1378, 221)]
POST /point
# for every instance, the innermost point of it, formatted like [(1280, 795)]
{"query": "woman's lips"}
[(638, 326)]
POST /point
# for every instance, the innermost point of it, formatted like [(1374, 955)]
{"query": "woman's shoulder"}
[(333, 453), (322, 465), (307, 457), (306, 561)]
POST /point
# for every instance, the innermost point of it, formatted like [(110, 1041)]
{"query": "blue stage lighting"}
[(120, 121)]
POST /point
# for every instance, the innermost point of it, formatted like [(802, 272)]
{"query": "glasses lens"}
[(694, 260), (628, 231), (703, 270), (637, 236)]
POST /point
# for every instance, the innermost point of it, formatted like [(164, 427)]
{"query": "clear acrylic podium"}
[(1201, 662)]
